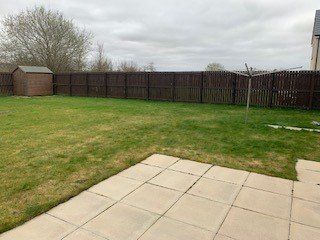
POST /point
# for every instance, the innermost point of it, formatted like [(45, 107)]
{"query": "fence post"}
[(148, 86), (312, 85), (271, 90), (54, 85), (125, 85), (173, 85), (70, 86), (234, 89), (201, 87), (87, 85), (106, 84)]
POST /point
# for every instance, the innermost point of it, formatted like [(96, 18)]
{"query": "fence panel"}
[(6, 84), (218, 87), (161, 85), (284, 89), (137, 85)]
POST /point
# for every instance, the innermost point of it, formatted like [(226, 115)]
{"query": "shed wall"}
[(19, 82), (39, 84)]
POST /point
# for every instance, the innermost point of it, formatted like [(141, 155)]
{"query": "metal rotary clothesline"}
[(250, 75)]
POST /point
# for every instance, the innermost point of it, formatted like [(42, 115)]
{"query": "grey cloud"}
[(188, 34)]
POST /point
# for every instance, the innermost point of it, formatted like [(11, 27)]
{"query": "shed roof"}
[(34, 69), (316, 28)]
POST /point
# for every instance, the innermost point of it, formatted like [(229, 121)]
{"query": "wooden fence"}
[(286, 89), (6, 84)]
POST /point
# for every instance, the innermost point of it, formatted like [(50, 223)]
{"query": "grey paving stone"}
[(215, 190), (81, 208), (121, 222), (264, 202), (303, 232), (242, 224), (271, 184), (153, 198), (227, 175), (141, 172), (191, 167), (308, 165), (174, 180), (40, 228), (221, 237), (169, 229), (306, 212), (116, 187), (308, 176), (307, 191), (81, 234), (160, 160), (199, 212)]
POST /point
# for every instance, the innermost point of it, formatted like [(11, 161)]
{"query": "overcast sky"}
[(188, 34)]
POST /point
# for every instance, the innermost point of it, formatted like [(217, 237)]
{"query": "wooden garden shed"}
[(32, 81)]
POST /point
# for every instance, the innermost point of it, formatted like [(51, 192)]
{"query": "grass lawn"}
[(52, 148)]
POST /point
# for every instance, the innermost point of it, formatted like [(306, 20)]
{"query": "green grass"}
[(52, 148)]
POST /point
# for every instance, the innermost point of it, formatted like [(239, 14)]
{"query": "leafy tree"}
[(45, 38), (214, 67)]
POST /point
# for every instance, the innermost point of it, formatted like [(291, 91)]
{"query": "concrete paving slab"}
[(242, 224), (227, 175), (306, 212), (221, 237), (271, 184), (121, 222), (308, 165), (141, 172), (152, 198), (81, 234), (303, 232), (169, 229), (81, 208), (190, 167), (40, 228), (174, 180), (199, 212), (306, 191), (264, 202), (116, 187), (308, 176), (160, 160), (215, 190)]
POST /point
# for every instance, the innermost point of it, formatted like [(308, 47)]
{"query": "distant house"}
[(315, 57)]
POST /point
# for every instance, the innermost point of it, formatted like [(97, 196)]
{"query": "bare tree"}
[(214, 67), (101, 63), (149, 67), (128, 66), (44, 37)]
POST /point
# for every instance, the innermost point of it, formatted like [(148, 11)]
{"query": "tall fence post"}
[(125, 86), (173, 85), (234, 88), (54, 85), (106, 84), (70, 86), (148, 86), (271, 90), (201, 87), (312, 85), (87, 85)]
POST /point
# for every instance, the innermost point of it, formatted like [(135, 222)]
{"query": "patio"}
[(167, 198)]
